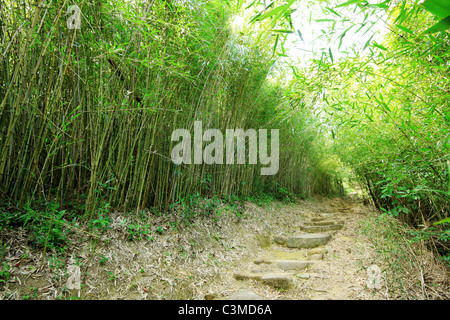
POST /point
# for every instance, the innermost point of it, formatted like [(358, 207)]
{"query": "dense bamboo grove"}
[(357, 89), (387, 107), (86, 114)]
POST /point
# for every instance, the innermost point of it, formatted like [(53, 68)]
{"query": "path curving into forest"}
[(319, 261)]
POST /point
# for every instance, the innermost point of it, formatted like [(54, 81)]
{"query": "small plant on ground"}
[(103, 259), (4, 273), (136, 231)]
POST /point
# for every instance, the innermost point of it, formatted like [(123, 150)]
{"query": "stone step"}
[(314, 251), (248, 276), (276, 280), (245, 295), (286, 265), (318, 256), (331, 214), (324, 223), (308, 240), (320, 229), (280, 240)]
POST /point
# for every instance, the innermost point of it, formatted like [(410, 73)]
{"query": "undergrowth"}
[(410, 268), (51, 230), (47, 225)]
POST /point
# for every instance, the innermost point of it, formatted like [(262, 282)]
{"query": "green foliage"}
[(402, 250), (159, 230), (101, 223), (137, 231), (49, 226), (112, 276), (103, 259), (386, 107), (192, 206), (44, 226), (32, 294), (441, 9), (438, 236), (277, 192), (4, 273), (99, 130)]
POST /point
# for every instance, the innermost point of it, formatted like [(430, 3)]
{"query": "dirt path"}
[(268, 252), (320, 258)]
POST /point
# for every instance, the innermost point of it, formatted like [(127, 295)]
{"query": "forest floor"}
[(203, 260)]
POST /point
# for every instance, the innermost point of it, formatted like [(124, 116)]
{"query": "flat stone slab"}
[(264, 240), (277, 281), (298, 255), (308, 240), (248, 276), (317, 251), (323, 223), (289, 265), (280, 240), (260, 261), (286, 265), (317, 256), (332, 215), (320, 229), (245, 295)]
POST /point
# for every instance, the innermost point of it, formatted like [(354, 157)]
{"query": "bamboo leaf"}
[(446, 220), (283, 31), (379, 46), (442, 25), (332, 11), (250, 5), (270, 13), (368, 42), (276, 43), (440, 8), (404, 29), (348, 3), (402, 13)]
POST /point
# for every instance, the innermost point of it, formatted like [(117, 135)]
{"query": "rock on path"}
[(245, 295), (308, 240)]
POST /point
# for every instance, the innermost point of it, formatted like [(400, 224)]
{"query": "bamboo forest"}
[(224, 150)]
